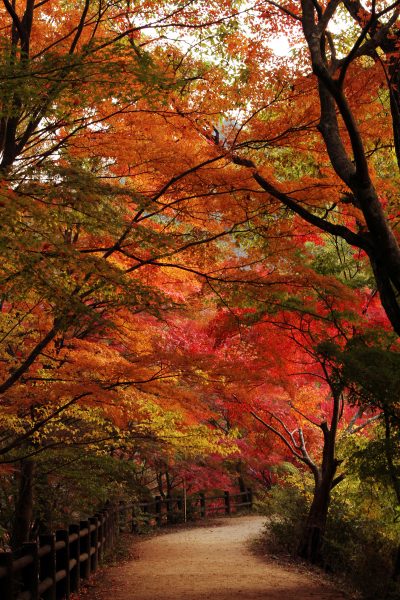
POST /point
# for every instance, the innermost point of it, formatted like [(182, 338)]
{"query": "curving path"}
[(212, 563)]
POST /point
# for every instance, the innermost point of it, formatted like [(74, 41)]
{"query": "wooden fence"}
[(52, 567), (160, 511)]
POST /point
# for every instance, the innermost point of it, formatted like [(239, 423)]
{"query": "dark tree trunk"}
[(310, 546), (169, 483), (160, 486), (240, 480), (387, 291), (396, 569), (23, 505)]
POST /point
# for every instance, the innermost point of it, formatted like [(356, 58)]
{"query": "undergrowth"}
[(357, 549)]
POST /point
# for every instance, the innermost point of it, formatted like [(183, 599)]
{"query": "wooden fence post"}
[(107, 526), (145, 510), (48, 566), (106, 530), (109, 534), (134, 523), (203, 509), (250, 498), (84, 534), (227, 502), (30, 574), (6, 576), (179, 506), (113, 526), (100, 536), (170, 510), (121, 516), (74, 555), (62, 563), (94, 543)]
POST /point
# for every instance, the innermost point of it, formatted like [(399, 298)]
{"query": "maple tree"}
[(294, 388), (72, 219), (259, 343), (86, 230), (342, 135), (343, 125)]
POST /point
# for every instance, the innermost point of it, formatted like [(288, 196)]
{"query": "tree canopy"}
[(200, 270)]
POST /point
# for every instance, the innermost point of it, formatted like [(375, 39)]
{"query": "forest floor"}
[(214, 562)]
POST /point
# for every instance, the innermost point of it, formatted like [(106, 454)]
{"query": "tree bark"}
[(23, 505), (310, 546), (311, 542), (353, 168), (396, 569)]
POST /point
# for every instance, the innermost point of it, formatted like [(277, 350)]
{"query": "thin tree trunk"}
[(23, 505), (240, 480), (159, 477), (310, 546), (396, 569)]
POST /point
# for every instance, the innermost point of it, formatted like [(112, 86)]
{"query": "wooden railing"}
[(52, 567), (160, 511)]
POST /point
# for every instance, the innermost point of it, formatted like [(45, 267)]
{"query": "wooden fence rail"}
[(52, 567), (173, 510)]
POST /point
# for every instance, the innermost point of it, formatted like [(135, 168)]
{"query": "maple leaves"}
[(341, 191)]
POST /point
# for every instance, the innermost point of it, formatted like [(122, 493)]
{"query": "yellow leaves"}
[(185, 440), (11, 422)]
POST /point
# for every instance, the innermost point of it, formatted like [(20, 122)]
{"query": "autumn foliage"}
[(199, 248)]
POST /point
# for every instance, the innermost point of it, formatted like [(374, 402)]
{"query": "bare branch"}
[(279, 434), (365, 424)]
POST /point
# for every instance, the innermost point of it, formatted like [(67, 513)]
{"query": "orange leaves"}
[(181, 292)]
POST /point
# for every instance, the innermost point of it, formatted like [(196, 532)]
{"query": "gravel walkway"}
[(213, 563)]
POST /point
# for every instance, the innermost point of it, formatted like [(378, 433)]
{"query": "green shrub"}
[(286, 506), (361, 549), (287, 509), (358, 546)]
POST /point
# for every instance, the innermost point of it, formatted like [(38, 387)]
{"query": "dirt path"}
[(212, 563)]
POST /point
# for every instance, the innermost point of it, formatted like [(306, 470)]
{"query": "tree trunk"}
[(310, 545), (159, 477), (23, 505), (396, 569), (240, 480)]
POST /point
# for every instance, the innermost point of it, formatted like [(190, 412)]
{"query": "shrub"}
[(358, 546), (361, 549)]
